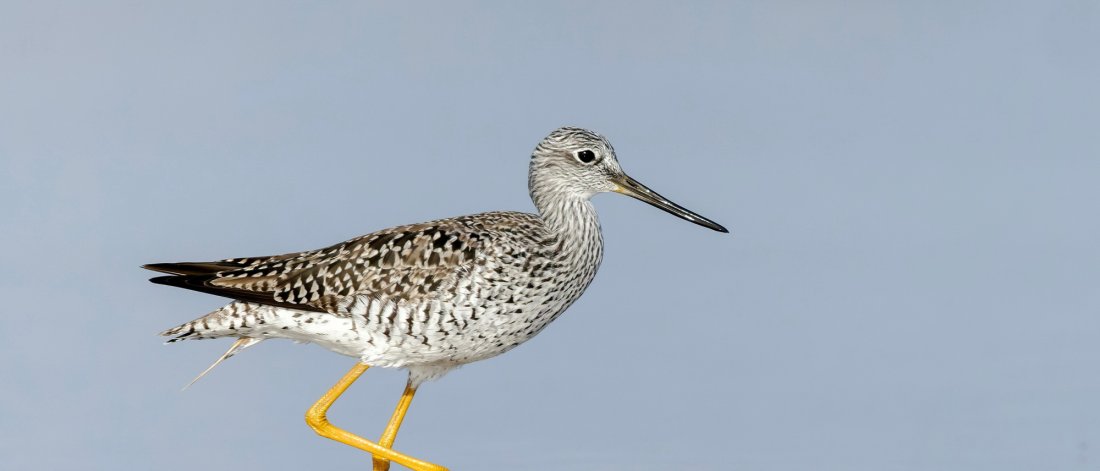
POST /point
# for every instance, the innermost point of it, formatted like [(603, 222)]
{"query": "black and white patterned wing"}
[(407, 262)]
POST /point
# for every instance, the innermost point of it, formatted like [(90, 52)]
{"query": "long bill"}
[(631, 187)]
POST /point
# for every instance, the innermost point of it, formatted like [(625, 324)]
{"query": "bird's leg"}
[(316, 419), (390, 433)]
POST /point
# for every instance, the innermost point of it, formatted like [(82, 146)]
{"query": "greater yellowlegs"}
[(426, 297)]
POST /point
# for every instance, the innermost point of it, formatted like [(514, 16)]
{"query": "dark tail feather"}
[(200, 283), (191, 268)]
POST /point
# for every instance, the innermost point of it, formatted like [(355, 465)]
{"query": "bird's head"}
[(576, 163)]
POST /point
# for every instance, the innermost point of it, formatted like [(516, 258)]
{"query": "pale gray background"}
[(911, 187)]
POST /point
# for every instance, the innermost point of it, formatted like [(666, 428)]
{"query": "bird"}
[(426, 297)]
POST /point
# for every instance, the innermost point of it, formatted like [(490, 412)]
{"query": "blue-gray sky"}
[(911, 187)]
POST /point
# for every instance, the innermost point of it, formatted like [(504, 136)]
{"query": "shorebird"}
[(426, 297)]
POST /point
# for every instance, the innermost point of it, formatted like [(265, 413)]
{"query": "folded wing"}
[(406, 262)]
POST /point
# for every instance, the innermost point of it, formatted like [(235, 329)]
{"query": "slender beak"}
[(631, 187)]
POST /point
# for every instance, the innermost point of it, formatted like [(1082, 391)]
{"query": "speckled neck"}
[(573, 220)]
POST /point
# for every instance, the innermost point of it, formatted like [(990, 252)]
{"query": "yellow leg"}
[(390, 433), (316, 419)]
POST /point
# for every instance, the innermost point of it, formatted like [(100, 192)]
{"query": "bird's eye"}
[(586, 156)]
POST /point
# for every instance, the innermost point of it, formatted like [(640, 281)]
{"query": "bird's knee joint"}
[(318, 422)]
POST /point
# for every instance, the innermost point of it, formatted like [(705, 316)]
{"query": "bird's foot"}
[(382, 453)]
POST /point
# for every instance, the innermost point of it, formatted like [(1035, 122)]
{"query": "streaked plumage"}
[(428, 297), (432, 296)]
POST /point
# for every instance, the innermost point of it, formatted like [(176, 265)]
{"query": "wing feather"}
[(406, 262)]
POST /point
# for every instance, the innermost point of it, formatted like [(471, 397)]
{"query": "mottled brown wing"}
[(405, 262)]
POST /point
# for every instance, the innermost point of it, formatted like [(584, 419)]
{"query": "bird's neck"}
[(573, 222)]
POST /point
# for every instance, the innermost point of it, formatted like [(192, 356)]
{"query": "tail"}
[(236, 319), (241, 344)]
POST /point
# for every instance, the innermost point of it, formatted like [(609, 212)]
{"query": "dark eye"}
[(586, 156)]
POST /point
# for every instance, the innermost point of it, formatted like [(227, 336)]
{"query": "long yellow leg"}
[(390, 433), (316, 419)]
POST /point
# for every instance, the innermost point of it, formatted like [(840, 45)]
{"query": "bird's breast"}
[(488, 310)]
